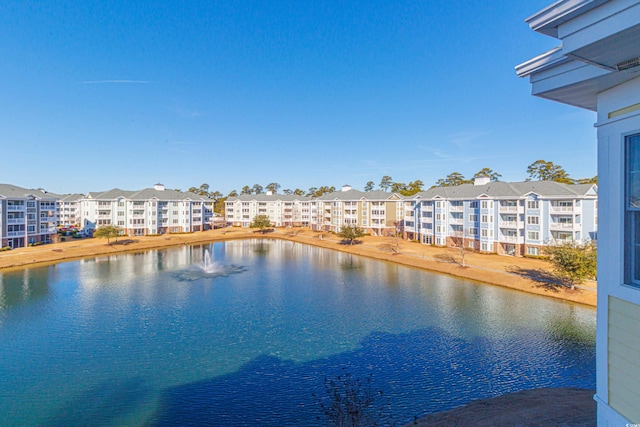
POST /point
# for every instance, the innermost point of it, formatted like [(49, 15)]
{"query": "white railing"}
[(507, 208), (15, 208), (15, 234), (562, 209), (454, 208), (504, 238), (15, 221), (456, 220), (562, 225), (508, 224)]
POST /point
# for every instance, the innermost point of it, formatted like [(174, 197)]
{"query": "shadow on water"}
[(102, 404), (421, 372)]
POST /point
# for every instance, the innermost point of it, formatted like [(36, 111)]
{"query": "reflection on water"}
[(151, 338)]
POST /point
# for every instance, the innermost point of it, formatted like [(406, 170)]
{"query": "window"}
[(632, 207), (473, 218), (533, 220), (474, 204), (533, 251), (532, 204), (533, 235)]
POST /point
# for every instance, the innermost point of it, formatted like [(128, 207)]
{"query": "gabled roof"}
[(378, 195), (146, 194), (10, 191), (71, 197), (267, 198), (508, 190)]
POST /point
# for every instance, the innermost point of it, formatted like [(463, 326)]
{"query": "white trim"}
[(607, 415), (551, 17)]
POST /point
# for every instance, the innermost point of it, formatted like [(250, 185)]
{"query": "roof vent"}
[(158, 187), (346, 187), (629, 63)]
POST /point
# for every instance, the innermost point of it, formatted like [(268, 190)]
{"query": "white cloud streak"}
[(98, 82)]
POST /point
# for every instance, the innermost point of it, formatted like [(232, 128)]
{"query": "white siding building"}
[(597, 67), (26, 216), (283, 210), (513, 218), (69, 210), (148, 211)]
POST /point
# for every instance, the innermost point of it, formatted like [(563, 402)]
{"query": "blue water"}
[(150, 339)]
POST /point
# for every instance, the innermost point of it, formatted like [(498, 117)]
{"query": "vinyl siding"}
[(624, 358)]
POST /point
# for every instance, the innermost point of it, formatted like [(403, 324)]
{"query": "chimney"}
[(481, 180), (346, 187), (159, 187)]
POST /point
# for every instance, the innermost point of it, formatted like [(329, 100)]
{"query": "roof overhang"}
[(551, 17)]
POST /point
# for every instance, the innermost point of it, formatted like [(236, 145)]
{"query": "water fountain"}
[(208, 264), (208, 268)]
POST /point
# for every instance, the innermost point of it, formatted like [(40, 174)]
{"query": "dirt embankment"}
[(524, 274)]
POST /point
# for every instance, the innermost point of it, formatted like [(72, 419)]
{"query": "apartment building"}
[(513, 218), (69, 210), (149, 211), (27, 216), (596, 68), (377, 212), (283, 210)]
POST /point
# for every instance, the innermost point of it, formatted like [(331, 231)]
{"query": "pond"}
[(250, 332)]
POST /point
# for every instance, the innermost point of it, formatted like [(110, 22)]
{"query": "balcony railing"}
[(508, 224), (15, 208), (455, 208), (562, 209), (507, 208), (562, 225)]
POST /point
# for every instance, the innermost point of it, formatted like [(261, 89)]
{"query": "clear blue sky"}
[(96, 95)]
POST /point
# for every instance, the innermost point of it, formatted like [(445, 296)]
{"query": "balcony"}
[(15, 221), (511, 239), (561, 225), (509, 208), (456, 208), (508, 224), (553, 209), (15, 208)]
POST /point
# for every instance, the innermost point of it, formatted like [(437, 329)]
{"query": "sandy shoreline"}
[(506, 271)]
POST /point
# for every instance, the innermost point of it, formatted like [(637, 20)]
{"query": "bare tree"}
[(459, 241)]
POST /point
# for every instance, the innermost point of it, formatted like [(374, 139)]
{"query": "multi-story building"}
[(514, 218), (377, 212), (69, 210), (26, 216), (149, 211), (283, 210), (596, 67)]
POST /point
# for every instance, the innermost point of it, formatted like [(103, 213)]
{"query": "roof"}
[(358, 195), (547, 20), (71, 197), (146, 194), (509, 190), (268, 198), (10, 191)]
